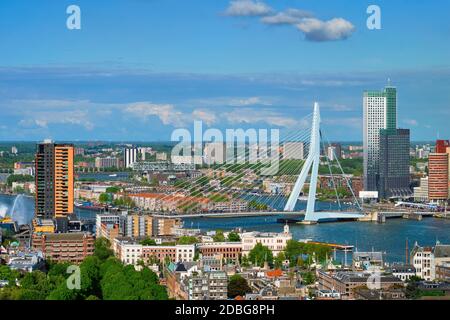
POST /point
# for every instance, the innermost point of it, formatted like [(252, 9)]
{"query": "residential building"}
[(54, 180), (130, 156), (427, 259), (380, 112), (210, 285), (108, 162), (64, 247), (438, 177)]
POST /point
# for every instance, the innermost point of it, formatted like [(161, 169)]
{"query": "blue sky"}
[(137, 69)]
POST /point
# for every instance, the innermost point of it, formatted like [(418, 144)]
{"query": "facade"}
[(210, 285), (276, 242), (438, 176), (421, 192), (108, 162), (130, 252), (394, 176), (135, 225), (226, 250), (402, 271), (380, 112), (54, 180), (426, 260), (129, 157), (64, 247)]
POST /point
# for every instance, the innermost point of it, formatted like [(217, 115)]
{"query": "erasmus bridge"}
[(236, 183)]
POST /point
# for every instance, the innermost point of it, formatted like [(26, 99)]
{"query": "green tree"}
[(104, 198), (234, 237), (260, 254), (219, 236), (113, 189), (279, 259), (148, 242), (102, 249), (238, 286), (187, 240)]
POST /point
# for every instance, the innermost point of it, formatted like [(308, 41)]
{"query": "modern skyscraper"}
[(130, 156), (380, 112), (54, 180), (394, 177)]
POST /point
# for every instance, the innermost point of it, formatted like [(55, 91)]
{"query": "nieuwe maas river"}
[(389, 237)]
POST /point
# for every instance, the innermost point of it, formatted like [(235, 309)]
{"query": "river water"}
[(389, 237)]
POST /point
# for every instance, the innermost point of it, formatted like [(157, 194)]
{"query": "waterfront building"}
[(426, 259), (64, 247), (129, 156), (421, 192), (54, 180), (108, 162), (380, 112), (394, 176), (438, 177), (276, 242)]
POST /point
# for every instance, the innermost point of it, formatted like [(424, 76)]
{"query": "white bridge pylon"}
[(312, 164)]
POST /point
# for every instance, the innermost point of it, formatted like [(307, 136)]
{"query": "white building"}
[(130, 156), (425, 259), (421, 192), (276, 242)]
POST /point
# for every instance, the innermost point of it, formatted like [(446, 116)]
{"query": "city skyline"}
[(106, 89)]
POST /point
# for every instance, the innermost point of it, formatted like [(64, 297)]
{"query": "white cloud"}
[(208, 117), (44, 119), (247, 8), (289, 16), (165, 112), (331, 30), (411, 122), (249, 116)]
